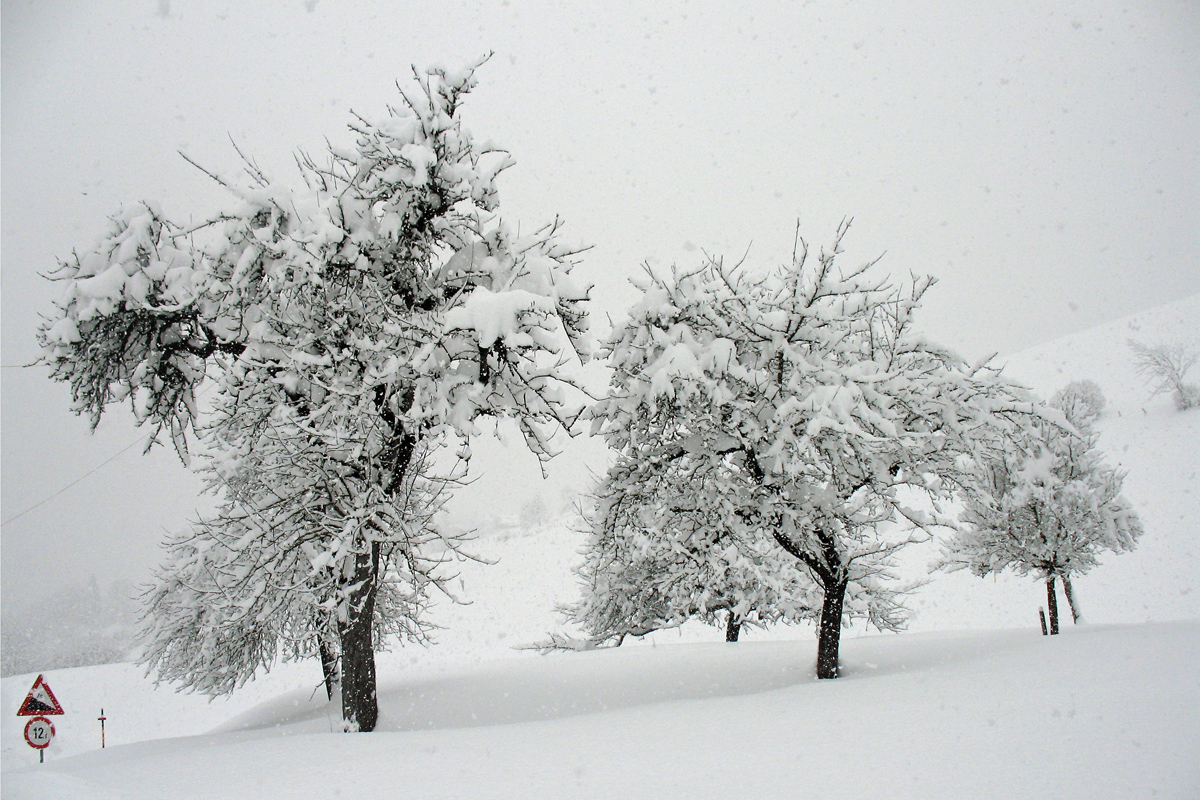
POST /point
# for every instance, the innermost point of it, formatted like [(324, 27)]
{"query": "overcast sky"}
[(1042, 159)]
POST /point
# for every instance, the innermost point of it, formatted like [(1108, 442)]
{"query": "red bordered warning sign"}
[(40, 701)]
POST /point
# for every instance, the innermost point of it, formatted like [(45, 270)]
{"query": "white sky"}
[(1041, 158)]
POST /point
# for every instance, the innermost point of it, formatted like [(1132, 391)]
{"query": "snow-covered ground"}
[(973, 702), (1100, 712)]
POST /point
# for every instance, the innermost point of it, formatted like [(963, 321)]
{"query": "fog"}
[(1041, 159)]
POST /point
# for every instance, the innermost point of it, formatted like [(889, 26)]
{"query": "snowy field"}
[(1099, 712), (972, 702)]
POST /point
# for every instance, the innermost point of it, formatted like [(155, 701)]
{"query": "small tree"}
[(803, 391), (1164, 367), (1047, 505), (348, 325)]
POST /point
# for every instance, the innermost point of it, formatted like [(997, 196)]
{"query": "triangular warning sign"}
[(41, 701)]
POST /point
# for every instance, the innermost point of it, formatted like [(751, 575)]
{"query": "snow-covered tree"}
[(1047, 504), (1164, 367), (347, 324), (668, 544), (822, 422)]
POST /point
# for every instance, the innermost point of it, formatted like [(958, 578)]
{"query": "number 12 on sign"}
[(38, 732)]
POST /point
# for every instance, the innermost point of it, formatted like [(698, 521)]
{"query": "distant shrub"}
[(1081, 401), (1188, 396)]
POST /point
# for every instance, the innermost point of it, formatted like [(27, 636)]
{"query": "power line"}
[(203, 390), (103, 463)]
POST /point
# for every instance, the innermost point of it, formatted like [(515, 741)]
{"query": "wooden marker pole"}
[(102, 718)]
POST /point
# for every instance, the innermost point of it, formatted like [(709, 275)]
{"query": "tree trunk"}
[(1052, 605), (360, 706), (1072, 601), (830, 634), (733, 628), (329, 665)]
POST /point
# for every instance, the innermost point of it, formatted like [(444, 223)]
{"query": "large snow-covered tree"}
[(1047, 504), (805, 390), (348, 324)]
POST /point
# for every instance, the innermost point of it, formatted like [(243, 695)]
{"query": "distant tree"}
[(1048, 505), (800, 402), (348, 326), (1164, 367), (534, 513)]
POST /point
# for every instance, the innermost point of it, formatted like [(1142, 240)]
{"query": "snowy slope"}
[(981, 715), (946, 713)]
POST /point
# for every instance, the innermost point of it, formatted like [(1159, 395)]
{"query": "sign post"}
[(40, 703)]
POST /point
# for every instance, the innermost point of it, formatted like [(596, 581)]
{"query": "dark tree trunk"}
[(833, 581), (360, 703), (360, 706), (830, 634), (1052, 605), (1072, 601), (329, 665), (733, 628)]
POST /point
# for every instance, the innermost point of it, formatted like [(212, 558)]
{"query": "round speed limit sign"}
[(38, 732)]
